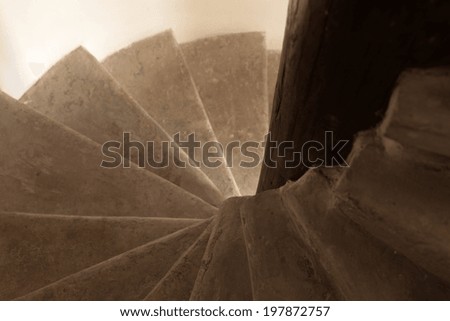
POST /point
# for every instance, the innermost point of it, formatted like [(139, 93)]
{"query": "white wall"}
[(34, 34)]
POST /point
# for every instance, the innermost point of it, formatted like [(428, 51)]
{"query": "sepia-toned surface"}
[(360, 266), (230, 72), (339, 65), (79, 93), (128, 276), (419, 111), (224, 272), (375, 229), (178, 283), (273, 66), (279, 259), (39, 249), (154, 73), (48, 168)]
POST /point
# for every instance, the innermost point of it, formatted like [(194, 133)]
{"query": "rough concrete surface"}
[(128, 276), (282, 266), (153, 71), (37, 249), (178, 283), (402, 197), (224, 273), (419, 111), (359, 266), (81, 94), (47, 168), (230, 72)]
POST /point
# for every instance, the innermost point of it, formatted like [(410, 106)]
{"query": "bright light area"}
[(34, 34)]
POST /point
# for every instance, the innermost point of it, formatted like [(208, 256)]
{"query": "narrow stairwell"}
[(72, 230)]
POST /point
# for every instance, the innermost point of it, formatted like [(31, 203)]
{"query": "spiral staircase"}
[(72, 230)]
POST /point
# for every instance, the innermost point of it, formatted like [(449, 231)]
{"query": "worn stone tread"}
[(48, 168), (358, 265), (419, 111), (401, 196), (230, 72), (128, 276), (154, 72), (37, 249), (282, 267), (224, 272), (78, 92), (178, 283)]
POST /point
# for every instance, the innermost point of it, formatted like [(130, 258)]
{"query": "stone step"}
[(230, 72), (360, 266), (224, 273), (79, 93), (49, 168), (154, 73), (282, 267), (129, 276), (419, 111), (400, 195), (37, 249), (178, 283), (273, 65)]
